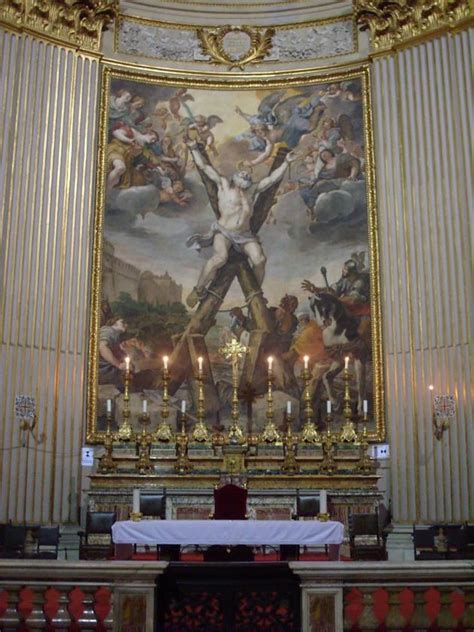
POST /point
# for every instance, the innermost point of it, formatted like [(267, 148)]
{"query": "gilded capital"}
[(76, 22), (394, 22)]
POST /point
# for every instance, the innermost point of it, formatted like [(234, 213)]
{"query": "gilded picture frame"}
[(298, 91)]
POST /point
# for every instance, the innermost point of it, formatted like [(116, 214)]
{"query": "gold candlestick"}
[(106, 461), (234, 351), (365, 464), (290, 443), (309, 434), (144, 441), (348, 432), (270, 433), (200, 432), (163, 432), (125, 431), (183, 465), (328, 464)]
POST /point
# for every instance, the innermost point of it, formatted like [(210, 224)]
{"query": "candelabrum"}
[(365, 464), (163, 432), (290, 443), (233, 351), (270, 433), (200, 431), (328, 464), (348, 432), (125, 431), (309, 434), (144, 441), (182, 466), (106, 461)]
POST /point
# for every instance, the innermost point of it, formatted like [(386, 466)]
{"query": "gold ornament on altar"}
[(183, 465), (309, 433), (236, 46), (200, 432), (125, 431), (234, 351), (144, 441), (290, 445), (106, 462), (270, 433), (163, 432), (348, 433)]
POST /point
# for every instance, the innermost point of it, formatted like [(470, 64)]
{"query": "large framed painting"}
[(236, 212)]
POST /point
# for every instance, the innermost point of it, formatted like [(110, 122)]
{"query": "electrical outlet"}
[(380, 451), (87, 458)]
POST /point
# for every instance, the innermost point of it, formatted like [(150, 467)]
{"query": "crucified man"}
[(236, 206)]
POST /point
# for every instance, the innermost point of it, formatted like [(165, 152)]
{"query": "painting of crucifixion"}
[(237, 215)]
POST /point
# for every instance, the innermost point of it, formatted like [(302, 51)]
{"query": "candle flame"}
[(431, 387)]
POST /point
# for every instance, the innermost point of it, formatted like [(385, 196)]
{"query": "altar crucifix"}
[(241, 209)]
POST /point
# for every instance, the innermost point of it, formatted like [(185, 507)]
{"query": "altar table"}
[(230, 532)]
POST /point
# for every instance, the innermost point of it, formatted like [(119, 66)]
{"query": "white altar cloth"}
[(228, 532)]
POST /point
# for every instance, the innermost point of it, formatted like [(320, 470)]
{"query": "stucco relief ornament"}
[(236, 46), (78, 22)]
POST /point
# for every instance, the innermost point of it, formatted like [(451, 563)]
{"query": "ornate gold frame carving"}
[(76, 22), (202, 81), (213, 44), (395, 22)]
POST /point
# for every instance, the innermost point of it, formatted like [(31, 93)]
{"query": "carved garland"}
[(78, 22), (213, 44), (395, 21)]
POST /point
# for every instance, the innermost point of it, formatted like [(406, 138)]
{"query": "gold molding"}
[(394, 23), (208, 81), (212, 43), (74, 22)]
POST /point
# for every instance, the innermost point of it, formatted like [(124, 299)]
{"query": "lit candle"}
[(109, 405), (165, 362), (136, 501), (328, 407), (365, 406), (431, 387), (200, 364), (306, 360), (145, 406), (183, 406), (346, 362), (270, 363), (127, 363), (323, 501), (288, 408)]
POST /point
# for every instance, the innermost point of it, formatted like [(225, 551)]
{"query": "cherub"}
[(199, 131), (176, 101)]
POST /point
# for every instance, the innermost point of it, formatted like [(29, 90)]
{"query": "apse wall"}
[(49, 122)]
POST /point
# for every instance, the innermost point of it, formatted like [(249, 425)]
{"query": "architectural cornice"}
[(397, 22), (75, 22)]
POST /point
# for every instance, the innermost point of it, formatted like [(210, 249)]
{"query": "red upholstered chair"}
[(230, 503)]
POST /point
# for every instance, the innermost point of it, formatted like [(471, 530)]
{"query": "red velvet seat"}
[(230, 503)]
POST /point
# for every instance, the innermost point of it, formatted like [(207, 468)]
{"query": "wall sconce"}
[(444, 411)]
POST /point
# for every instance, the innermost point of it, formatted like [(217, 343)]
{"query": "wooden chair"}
[(96, 541), (366, 538), (153, 505), (47, 543), (14, 538)]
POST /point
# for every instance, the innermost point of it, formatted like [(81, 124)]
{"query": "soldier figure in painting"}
[(232, 229)]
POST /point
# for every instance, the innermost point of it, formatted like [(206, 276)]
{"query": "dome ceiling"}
[(262, 12)]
